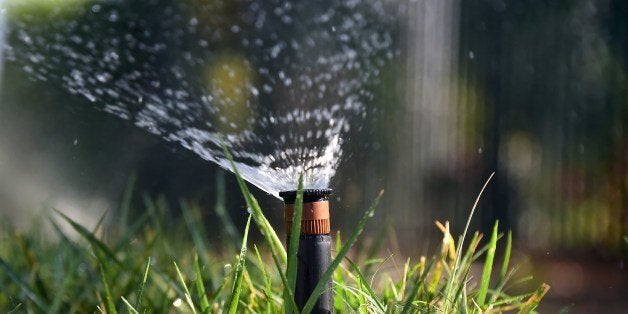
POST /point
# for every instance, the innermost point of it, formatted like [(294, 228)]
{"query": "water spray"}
[(314, 253)]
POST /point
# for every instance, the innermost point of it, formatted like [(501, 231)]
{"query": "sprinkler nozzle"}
[(315, 217)]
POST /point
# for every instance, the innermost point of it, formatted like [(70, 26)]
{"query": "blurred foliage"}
[(541, 91), (36, 10), (554, 79), (229, 77)]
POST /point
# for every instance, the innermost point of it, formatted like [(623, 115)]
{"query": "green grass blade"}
[(130, 232), (138, 303), (28, 249), (23, 286), (198, 235), (318, 289), (339, 280), (237, 282), (125, 207), (364, 283), (60, 293), (157, 218), (129, 306), (293, 247), (450, 284), (284, 280), (90, 237), (384, 231), (488, 267), (263, 224), (221, 211), (109, 305), (188, 296), (16, 309), (420, 284), (200, 286), (534, 300), (506, 260), (100, 221), (267, 282)]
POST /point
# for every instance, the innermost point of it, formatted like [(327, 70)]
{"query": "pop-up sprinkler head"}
[(314, 254), (315, 216)]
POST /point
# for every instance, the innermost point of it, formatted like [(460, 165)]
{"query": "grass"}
[(149, 264)]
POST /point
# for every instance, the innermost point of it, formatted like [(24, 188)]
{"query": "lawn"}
[(148, 264)]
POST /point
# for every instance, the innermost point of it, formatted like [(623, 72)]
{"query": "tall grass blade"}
[(237, 282), (267, 282), (339, 280), (293, 245), (23, 286), (450, 284), (138, 303), (265, 227), (129, 306), (125, 207), (16, 309), (131, 231), (375, 248), (90, 237), (506, 260), (318, 289), (157, 217), (99, 223), (364, 283), (198, 235), (488, 267), (109, 305), (534, 300), (420, 284), (27, 249), (284, 280), (60, 293), (221, 211), (200, 286), (188, 296)]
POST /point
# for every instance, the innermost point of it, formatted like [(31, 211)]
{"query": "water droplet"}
[(177, 302), (113, 16), (226, 269), (89, 97), (102, 77)]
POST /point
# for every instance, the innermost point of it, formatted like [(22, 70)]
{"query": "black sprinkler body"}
[(314, 254)]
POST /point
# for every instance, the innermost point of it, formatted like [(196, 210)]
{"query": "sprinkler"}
[(314, 254)]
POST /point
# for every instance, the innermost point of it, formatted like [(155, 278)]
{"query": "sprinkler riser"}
[(314, 253), (313, 259)]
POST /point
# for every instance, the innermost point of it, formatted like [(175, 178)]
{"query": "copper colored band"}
[(314, 219)]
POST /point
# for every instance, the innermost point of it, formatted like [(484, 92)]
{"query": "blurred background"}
[(535, 91)]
